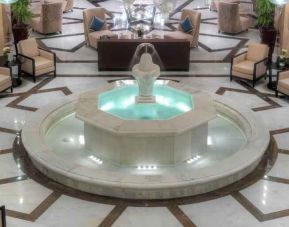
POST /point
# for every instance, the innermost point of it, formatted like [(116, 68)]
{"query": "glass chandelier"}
[(279, 2), (7, 2)]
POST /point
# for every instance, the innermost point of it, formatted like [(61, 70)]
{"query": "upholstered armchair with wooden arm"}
[(214, 6), (50, 20), (282, 83), (34, 60), (91, 37), (5, 79), (193, 36), (69, 5), (229, 19), (250, 65)]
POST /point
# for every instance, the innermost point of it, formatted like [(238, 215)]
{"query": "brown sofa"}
[(5, 79), (282, 83), (250, 65), (50, 20), (193, 37), (229, 19), (34, 60), (91, 37)]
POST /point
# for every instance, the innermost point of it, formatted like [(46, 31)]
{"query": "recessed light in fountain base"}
[(147, 167), (193, 159), (95, 159)]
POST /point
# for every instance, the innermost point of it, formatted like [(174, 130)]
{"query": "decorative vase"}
[(268, 36)]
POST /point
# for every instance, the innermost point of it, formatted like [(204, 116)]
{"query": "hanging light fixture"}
[(279, 2)]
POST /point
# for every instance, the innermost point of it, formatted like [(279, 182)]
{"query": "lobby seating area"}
[(5, 79), (207, 55), (49, 20), (252, 64), (193, 36), (229, 19), (282, 83), (34, 60), (91, 37)]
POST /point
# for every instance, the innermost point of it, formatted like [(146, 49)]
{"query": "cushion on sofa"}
[(186, 25), (96, 24)]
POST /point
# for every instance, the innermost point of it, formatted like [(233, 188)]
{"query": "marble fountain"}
[(145, 138)]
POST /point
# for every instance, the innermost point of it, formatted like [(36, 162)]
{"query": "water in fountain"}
[(146, 48)]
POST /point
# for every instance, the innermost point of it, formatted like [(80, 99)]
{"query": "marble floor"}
[(34, 201)]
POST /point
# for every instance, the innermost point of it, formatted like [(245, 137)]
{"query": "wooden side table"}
[(274, 65)]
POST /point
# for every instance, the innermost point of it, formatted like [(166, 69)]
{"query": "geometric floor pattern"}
[(259, 200)]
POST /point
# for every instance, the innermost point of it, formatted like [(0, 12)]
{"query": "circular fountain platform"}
[(55, 142)]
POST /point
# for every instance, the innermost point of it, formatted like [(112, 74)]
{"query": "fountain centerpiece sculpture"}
[(146, 73)]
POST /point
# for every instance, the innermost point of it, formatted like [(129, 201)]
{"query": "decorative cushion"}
[(186, 25), (96, 24)]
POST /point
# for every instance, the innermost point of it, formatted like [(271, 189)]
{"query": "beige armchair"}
[(214, 6), (91, 37), (250, 65), (34, 60), (193, 37), (50, 20), (282, 83), (35, 8), (229, 19), (5, 79), (69, 5)]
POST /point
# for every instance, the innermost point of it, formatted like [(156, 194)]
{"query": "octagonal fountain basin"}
[(170, 102), (59, 143), (167, 131)]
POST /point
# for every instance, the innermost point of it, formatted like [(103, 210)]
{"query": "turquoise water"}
[(170, 102)]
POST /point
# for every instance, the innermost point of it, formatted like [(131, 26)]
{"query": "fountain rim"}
[(235, 167)]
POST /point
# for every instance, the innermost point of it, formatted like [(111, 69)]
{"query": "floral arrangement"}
[(6, 51), (140, 31), (283, 59), (284, 54)]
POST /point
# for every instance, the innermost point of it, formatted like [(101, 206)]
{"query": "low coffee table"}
[(117, 54)]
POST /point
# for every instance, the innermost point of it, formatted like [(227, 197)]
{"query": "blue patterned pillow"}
[(186, 25), (96, 24)]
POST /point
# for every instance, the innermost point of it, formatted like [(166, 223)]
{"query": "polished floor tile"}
[(268, 196), (23, 196), (142, 217), (67, 211), (221, 212)]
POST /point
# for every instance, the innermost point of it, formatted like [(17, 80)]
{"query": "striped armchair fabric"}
[(50, 20)]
